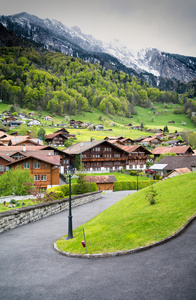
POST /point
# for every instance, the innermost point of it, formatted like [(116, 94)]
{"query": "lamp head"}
[(70, 170)]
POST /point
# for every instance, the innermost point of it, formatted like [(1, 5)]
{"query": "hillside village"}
[(48, 162)]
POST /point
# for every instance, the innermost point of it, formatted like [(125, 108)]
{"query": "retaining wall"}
[(24, 215)]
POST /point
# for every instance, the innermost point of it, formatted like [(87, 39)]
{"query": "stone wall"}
[(21, 216)]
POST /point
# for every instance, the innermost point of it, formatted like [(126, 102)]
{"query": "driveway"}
[(31, 269)]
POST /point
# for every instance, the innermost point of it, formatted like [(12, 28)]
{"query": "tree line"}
[(65, 85)]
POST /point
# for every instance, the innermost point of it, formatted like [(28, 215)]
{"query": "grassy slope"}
[(133, 222), (144, 115)]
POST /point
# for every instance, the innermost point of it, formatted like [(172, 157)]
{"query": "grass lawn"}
[(27, 203), (133, 222)]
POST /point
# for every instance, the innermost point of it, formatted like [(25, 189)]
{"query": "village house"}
[(106, 156), (170, 163), (179, 150), (98, 127), (34, 122), (11, 140), (177, 172), (47, 118), (137, 156), (12, 124), (152, 141), (55, 139), (44, 169), (18, 152)]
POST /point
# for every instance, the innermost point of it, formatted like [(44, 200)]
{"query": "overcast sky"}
[(168, 25)]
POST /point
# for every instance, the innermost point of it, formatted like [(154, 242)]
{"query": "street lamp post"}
[(137, 180), (70, 232)]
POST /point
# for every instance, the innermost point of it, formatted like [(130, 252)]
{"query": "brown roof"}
[(177, 162), (52, 135), (133, 148), (182, 170), (54, 160), (6, 157), (9, 149), (101, 179), (149, 139), (175, 149), (84, 146)]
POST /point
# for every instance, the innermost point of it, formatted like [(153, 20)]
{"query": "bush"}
[(131, 185), (16, 181), (17, 204), (60, 192), (12, 201), (151, 195), (133, 173)]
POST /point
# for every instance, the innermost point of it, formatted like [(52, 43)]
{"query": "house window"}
[(43, 177), (7, 168), (116, 155), (37, 177), (27, 165), (1, 168), (37, 165)]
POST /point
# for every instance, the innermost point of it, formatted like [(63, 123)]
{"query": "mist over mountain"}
[(156, 67)]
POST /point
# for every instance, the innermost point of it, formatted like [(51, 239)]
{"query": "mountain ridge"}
[(149, 64)]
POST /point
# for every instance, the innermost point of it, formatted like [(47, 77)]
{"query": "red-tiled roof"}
[(175, 149), (182, 170)]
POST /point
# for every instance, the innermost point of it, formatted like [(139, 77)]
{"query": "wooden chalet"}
[(106, 156), (18, 152), (137, 156), (151, 141), (98, 155), (44, 169), (56, 139)]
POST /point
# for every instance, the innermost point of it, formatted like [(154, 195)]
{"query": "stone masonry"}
[(21, 216)]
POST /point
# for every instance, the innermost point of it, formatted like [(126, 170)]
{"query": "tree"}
[(15, 182), (41, 133), (192, 139), (23, 129), (34, 131)]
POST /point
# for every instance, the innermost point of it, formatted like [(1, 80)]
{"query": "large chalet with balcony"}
[(106, 156)]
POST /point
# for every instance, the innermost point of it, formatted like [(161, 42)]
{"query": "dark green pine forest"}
[(44, 80)]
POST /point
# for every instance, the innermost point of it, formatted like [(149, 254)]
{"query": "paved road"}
[(30, 269)]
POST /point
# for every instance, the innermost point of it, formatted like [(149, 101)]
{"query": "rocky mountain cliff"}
[(148, 64)]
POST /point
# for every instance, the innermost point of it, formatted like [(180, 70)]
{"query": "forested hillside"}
[(66, 85)]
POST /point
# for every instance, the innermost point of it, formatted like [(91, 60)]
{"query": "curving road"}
[(30, 268)]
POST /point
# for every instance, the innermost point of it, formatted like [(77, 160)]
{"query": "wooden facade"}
[(44, 171), (56, 139), (106, 156)]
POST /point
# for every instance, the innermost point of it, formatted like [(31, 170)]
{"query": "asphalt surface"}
[(31, 269)]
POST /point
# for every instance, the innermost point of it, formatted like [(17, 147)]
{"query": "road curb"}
[(131, 251)]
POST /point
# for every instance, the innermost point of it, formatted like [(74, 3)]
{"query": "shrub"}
[(17, 204), (131, 185), (12, 201), (151, 195)]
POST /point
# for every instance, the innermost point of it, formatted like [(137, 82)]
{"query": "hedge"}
[(132, 185), (62, 191)]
